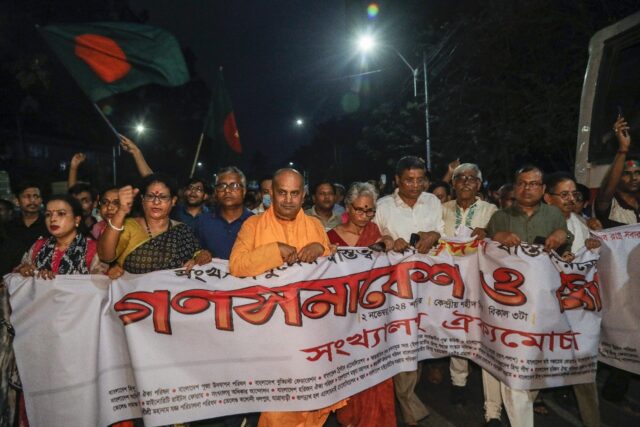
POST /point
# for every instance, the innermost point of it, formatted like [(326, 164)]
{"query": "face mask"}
[(266, 200)]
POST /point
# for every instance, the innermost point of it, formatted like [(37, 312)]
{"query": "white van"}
[(611, 87)]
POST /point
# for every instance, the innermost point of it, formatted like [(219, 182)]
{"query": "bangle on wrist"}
[(113, 227)]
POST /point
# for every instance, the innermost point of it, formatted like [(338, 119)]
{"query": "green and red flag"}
[(221, 125), (106, 58)]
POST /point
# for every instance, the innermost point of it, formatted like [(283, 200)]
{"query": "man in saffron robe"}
[(283, 234)]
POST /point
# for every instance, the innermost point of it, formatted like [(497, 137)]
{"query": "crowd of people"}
[(153, 225)]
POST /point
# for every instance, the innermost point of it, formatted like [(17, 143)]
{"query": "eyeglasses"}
[(162, 198), (362, 211), (416, 181), (195, 189), (107, 202), (465, 178), (234, 186), (564, 195), (528, 184)]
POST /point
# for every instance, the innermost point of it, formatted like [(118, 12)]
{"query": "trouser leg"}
[(492, 396), (519, 405), (587, 397), (459, 369), (411, 406)]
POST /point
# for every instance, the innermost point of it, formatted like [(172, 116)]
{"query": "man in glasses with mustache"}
[(561, 192), (217, 231), (467, 215), (23, 230), (527, 220)]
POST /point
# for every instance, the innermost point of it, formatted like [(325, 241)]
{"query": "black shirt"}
[(18, 239)]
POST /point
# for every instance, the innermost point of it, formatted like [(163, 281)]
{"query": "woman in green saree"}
[(152, 241)]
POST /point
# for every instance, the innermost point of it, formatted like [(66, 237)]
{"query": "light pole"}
[(366, 43)]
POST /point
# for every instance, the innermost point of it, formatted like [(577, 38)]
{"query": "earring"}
[(77, 225)]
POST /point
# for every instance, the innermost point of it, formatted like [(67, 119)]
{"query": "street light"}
[(140, 128), (366, 43), (299, 122)]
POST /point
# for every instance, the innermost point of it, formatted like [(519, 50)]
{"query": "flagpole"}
[(116, 148), (195, 160)]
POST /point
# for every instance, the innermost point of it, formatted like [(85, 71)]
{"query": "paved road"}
[(563, 411)]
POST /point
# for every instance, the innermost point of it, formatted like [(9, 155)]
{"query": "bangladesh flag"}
[(106, 58), (221, 127)]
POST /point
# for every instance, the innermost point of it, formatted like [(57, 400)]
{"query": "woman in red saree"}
[(374, 407)]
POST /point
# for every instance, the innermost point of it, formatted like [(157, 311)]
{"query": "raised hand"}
[(126, 195), (77, 160), (621, 129), (127, 145)]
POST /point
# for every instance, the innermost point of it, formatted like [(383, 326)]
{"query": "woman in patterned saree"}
[(152, 241), (375, 406), (67, 250)]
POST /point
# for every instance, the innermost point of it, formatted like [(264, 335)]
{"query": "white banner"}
[(303, 337), (619, 271)]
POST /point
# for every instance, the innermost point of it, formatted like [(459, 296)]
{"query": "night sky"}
[(282, 60), (290, 59)]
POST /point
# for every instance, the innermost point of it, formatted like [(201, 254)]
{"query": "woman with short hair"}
[(375, 406), (152, 241)]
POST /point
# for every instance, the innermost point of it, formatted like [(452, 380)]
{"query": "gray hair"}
[(232, 169), (468, 167), (359, 189)]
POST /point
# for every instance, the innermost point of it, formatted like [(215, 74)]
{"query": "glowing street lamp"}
[(299, 122), (366, 43), (140, 128)]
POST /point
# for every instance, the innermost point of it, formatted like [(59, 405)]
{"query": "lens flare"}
[(372, 10)]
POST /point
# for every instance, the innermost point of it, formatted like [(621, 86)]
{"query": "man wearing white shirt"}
[(561, 191), (468, 211), (407, 211)]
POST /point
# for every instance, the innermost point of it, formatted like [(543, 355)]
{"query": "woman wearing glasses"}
[(359, 230), (153, 241), (374, 406)]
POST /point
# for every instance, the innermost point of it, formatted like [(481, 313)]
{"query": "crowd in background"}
[(155, 224)]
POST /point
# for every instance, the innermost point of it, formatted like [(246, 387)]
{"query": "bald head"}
[(287, 171), (288, 193)]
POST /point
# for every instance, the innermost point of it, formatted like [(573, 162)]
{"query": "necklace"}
[(149, 230)]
